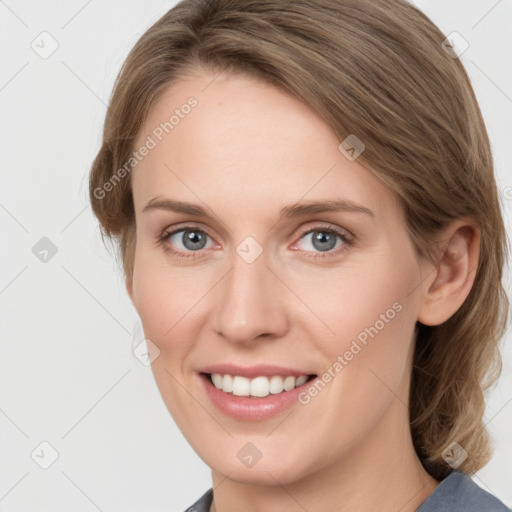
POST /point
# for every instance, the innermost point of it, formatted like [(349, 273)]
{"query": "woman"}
[(304, 200)]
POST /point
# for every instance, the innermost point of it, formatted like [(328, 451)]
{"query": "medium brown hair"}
[(376, 69)]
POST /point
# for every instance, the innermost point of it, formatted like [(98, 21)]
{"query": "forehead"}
[(233, 140)]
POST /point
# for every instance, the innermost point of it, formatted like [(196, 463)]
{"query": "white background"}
[(67, 374)]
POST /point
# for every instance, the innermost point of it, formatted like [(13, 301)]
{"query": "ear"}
[(452, 279)]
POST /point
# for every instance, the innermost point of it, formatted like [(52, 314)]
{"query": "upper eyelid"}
[(319, 226)]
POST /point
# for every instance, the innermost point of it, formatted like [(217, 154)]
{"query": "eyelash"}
[(347, 240)]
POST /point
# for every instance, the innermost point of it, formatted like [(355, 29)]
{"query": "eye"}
[(188, 239), (325, 240)]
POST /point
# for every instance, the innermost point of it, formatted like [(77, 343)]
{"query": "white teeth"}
[(227, 383), (217, 380), (258, 387), (276, 385), (241, 386), (289, 383), (301, 380)]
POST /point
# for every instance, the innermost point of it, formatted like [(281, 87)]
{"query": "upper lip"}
[(252, 372)]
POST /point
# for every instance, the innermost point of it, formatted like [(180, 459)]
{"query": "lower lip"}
[(252, 409)]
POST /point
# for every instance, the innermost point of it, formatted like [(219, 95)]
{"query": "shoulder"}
[(458, 492), (203, 503)]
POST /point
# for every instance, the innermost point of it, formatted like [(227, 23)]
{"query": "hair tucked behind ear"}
[(376, 69)]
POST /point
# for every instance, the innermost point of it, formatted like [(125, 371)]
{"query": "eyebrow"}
[(289, 211)]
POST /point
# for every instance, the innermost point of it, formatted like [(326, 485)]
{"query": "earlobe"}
[(454, 276)]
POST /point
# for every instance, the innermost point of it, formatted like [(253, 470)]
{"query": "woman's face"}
[(259, 280)]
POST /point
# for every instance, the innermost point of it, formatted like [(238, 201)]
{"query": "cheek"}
[(371, 316), (367, 357), (167, 299)]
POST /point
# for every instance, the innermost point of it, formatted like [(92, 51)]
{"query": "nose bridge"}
[(248, 305)]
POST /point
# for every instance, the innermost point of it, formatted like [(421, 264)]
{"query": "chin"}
[(269, 470), (261, 474)]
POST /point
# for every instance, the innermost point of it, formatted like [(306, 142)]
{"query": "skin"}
[(247, 150)]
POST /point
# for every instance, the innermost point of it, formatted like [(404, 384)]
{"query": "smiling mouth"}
[(259, 387)]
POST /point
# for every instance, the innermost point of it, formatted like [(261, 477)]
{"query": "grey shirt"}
[(456, 493)]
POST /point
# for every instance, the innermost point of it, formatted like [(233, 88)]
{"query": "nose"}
[(251, 302)]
